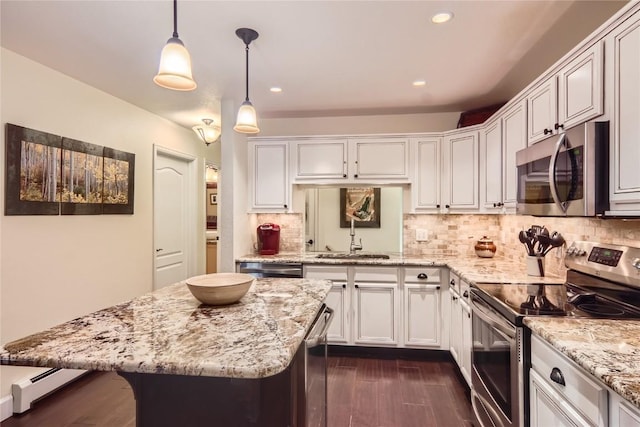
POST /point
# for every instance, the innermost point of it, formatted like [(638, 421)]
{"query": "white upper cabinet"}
[(426, 177), (570, 97), (270, 189), (367, 160), (319, 159), (461, 175), (491, 165), (625, 144), (514, 139)]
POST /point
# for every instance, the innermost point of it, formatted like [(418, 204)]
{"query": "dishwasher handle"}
[(313, 338)]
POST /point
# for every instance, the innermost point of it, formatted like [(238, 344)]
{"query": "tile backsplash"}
[(453, 234)]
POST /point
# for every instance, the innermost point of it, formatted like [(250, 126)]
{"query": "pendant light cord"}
[(246, 49), (175, 18)]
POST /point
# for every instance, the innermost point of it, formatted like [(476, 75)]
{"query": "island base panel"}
[(174, 400)]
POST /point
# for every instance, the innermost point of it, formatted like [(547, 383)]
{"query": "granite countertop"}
[(607, 349), (469, 267), (169, 332)]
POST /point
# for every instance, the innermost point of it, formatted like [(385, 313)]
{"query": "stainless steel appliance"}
[(312, 398), (603, 281), (271, 269), (566, 174)]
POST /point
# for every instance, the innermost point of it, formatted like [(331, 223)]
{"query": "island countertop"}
[(169, 332)]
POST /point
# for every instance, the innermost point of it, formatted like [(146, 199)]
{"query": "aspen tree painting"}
[(50, 175)]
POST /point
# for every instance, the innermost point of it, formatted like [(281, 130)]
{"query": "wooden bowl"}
[(219, 288)]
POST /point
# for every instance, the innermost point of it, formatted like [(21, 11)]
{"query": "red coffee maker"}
[(268, 239)]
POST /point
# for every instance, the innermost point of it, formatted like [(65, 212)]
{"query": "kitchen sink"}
[(352, 256)]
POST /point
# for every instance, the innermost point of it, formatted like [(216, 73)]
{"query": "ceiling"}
[(329, 57)]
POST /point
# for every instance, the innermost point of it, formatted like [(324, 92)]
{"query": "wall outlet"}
[(422, 235)]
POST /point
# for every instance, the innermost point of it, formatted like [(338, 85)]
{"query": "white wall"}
[(346, 125), (55, 268)]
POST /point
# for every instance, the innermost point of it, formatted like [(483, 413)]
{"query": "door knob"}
[(158, 250)]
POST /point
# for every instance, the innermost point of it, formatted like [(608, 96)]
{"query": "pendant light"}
[(247, 121), (174, 71), (208, 132)]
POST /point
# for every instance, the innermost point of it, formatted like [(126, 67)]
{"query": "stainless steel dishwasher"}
[(271, 269)]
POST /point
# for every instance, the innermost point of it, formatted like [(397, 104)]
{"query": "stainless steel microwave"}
[(566, 174)]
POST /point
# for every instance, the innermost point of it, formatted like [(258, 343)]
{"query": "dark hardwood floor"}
[(363, 392)]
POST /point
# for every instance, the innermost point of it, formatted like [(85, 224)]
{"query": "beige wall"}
[(352, 125), (55, 268)]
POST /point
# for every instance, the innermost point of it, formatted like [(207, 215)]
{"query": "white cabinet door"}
[(383, 158), (455, 327), (580, 88), (542, 111), (319, 159), (461, 159), (514, 139), (548, 408), (625, 173), (269, 171), (425, 188), (422, 325), (375, 313), (338, 300), (622, 413), (491, 165), (465, 345)]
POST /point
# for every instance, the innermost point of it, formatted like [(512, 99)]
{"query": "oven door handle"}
[(553, 185), (486, 316), (495, 418)]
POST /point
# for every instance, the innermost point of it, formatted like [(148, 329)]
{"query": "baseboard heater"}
[(29, 390)]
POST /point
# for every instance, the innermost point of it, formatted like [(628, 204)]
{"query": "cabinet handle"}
[(556, 376), (309, 242), (355, 175), (422, 276), (466, 294), (344, 175), (438, 206), (547, 131), (498, 205), (344, 286), (438, 287), (469, 315), (454, 297), (285, 206), (558, 126), (356, 286), (446, 206), (452, 282)]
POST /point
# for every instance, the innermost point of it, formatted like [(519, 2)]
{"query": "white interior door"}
[(173, 218)]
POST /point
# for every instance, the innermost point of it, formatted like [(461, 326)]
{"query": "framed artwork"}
[(361, 204), (213, 199), (33, 164), (50, 175), (119, 168)]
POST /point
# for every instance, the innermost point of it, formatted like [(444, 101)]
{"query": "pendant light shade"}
[(174, 71), (209, 132), (247, 121)]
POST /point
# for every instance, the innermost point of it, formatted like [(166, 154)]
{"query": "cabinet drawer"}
[(376, 274), (326, 272), (585, 394), (415, 275)]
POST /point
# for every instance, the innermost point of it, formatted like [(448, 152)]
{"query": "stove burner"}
[(601, 310)]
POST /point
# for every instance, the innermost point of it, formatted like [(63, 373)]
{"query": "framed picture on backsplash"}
[(361, 204)]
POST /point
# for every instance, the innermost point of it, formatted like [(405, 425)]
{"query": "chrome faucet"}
[(353, 246)]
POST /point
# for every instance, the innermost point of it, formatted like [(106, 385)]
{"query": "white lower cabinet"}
[(561, 394), (460, 326), (378, 306), (621, 413), (423, 325)]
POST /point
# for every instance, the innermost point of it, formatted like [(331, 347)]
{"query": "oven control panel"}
[(605, 256), (613, 262)]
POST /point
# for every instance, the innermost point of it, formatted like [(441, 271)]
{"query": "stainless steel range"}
[(603, 281)]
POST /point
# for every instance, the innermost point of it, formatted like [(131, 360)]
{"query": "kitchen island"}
[(190, 364)]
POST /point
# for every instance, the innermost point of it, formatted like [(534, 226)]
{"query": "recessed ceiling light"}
[(441, 17), (418, 83), (276, 89)]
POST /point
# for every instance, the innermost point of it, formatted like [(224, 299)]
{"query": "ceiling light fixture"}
[(418, 83), (441, 17), (247, 121), (208, 132), (174, 71), (276, 89)]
